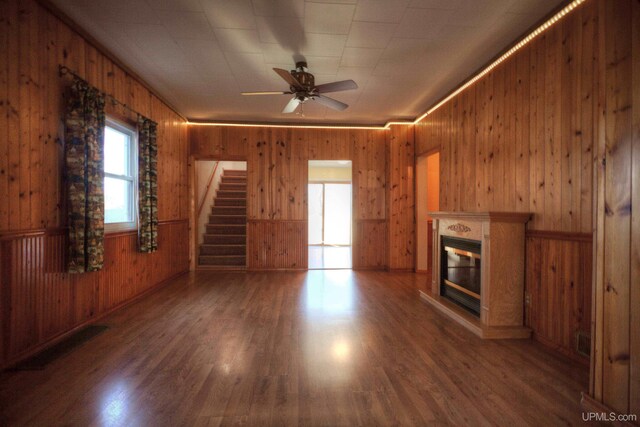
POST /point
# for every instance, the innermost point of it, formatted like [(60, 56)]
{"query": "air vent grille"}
[(583, 343)]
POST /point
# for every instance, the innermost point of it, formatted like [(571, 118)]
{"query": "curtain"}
[(147, 186), (84, 157)]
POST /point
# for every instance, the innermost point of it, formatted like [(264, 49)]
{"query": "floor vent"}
[(42, 359)]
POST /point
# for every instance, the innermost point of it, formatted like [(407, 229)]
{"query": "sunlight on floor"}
[(329, 257)]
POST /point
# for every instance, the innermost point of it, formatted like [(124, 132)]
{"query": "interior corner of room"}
[(291, 206)]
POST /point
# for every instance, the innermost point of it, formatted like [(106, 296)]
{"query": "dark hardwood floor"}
[(319, 348)]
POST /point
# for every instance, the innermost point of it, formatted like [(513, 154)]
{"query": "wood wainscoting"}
[(277, 245), (558, 289), (40, 303)]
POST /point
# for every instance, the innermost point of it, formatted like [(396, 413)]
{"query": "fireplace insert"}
[(460, 272)]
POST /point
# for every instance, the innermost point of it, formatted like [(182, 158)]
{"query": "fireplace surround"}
[(478, 271)]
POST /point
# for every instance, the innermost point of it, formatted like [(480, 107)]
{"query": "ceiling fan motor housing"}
[(305, 78)]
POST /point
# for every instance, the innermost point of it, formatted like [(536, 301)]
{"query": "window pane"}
[(315, 214), (116, 151), (337, 214), (118, 195)]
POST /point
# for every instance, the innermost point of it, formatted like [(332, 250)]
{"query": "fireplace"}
[(461, 272), (478, 271)]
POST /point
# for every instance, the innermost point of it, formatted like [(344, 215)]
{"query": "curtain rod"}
[(63, 70)]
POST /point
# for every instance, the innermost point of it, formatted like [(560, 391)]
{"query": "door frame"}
[(194, 200)]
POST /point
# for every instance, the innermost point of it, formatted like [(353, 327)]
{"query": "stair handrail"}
[(206, 190)]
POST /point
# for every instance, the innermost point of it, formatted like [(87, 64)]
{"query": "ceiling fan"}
[(302, 87)]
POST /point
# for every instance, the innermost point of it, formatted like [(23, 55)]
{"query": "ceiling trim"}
[(286, 125), (535, 31)]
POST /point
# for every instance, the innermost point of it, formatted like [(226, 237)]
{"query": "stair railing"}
[(206, 190)]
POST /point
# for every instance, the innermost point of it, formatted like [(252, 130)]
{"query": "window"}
[(120, 176)]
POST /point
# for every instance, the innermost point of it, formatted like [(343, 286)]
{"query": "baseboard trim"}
[(57, 338), (220, 268)]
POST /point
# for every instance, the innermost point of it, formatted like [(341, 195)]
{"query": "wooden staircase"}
[(224, 242)]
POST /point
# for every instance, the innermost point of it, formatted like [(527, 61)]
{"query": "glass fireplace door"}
[(461, 272)]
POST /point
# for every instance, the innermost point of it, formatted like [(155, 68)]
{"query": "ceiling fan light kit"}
[(303, 88)]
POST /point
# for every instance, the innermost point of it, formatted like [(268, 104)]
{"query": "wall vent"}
[(583, 343)]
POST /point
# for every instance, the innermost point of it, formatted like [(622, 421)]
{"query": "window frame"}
[(132, 132)]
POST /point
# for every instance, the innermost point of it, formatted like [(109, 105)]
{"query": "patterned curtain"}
[(84, 157), (147, 186)]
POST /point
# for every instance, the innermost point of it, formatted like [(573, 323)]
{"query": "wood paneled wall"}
[(559, 289), (277, 175), (522, 139), (402, 229), (38, 301), (615, 377), (277, 245)]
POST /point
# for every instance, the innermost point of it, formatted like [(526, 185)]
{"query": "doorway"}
[(221, 214), (330, 214), (427, 200)]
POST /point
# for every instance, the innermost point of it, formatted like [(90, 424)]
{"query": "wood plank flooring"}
[(312, 348)]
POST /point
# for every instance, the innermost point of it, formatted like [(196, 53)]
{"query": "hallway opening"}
[(427, 200)]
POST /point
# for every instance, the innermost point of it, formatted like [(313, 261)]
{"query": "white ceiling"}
[(403, 54)]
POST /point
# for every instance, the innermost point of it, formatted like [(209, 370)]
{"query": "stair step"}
[(231, 195), (231, 202), (227, 219), (208, 249), (229, 210), (232, 186), (231, 172), (234, 180), (224, 239), (222, 260), (227, 229)]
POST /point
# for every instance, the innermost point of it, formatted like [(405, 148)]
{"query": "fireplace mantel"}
[(502, 238), (519, 217)]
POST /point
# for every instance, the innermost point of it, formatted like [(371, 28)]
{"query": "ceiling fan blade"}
[(265, 93), (337, 86), (291, 106), (330, 102), (288, 77)]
